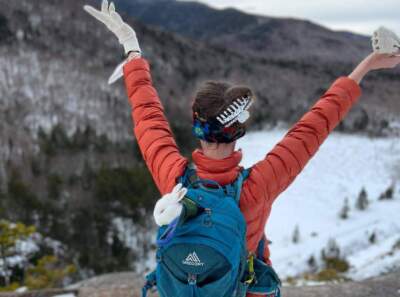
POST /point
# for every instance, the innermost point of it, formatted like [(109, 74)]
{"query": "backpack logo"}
[(193, 260)]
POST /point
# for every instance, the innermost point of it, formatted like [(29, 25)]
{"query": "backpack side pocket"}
[(266, 280)]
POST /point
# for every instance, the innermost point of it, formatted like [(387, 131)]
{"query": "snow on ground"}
[(139, 239), (342, 166)]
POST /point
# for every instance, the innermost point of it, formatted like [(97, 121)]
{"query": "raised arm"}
[(287, 159), (152, 130)]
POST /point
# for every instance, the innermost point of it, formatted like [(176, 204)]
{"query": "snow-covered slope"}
[(344, 164)]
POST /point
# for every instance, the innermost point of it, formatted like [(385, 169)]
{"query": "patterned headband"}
[(220, 128)]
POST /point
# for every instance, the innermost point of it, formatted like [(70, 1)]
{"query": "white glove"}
[(119, 71), (117, 74), (169, 207), (108, 16), (125, 34), (385, 41)]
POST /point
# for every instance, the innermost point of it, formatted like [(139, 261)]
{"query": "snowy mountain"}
[(263, 36), (68, 161), (342, 167)]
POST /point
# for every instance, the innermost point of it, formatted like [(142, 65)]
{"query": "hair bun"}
[(236, 92)]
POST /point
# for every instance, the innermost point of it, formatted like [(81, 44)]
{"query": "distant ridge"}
[(263, 36)]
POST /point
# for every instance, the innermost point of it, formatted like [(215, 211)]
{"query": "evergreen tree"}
[(344, 213), (296, 235), (312, 263), (332, 249), (396, 246), (362, 200), (10, 234), (333, 259), (372, 238), (48, 273), (388, 194)]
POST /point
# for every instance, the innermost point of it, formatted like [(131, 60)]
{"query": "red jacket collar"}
[(223, 171)]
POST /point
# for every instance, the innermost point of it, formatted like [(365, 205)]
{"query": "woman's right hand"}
[(108, 16)]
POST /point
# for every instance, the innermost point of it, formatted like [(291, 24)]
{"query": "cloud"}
[(361, 16)]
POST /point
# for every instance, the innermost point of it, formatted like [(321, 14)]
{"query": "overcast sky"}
[(361, 16)]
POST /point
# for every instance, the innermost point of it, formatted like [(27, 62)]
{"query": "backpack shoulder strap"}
[(243, 175), (189, 176)]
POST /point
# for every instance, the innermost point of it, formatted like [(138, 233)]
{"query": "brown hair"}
[(214, 96)]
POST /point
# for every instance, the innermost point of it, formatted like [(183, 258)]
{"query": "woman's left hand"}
[(386, 55), (374, 61), (377, 61)]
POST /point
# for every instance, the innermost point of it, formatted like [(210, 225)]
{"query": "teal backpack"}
[(202, 253)]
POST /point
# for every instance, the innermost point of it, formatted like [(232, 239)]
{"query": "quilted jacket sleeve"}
[(287, 159), (151, 127), (273, 174)]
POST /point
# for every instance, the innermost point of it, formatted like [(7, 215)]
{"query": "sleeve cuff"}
[(350, 85), (136, 64)]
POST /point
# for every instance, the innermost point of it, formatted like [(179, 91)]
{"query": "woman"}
[(219, 125)]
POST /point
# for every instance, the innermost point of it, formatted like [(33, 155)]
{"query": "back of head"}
[(218, 109)]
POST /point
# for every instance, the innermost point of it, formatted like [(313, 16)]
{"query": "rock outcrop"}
[(128, 285)]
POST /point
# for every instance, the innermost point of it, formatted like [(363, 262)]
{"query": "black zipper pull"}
[(192, 279), (207, 220)]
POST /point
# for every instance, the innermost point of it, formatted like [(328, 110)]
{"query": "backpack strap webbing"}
[(150, 283), (189, 176), (243, 175), (234, 189), (260, 248)]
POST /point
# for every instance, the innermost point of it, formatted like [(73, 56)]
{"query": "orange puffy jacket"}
[(268, 178)]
